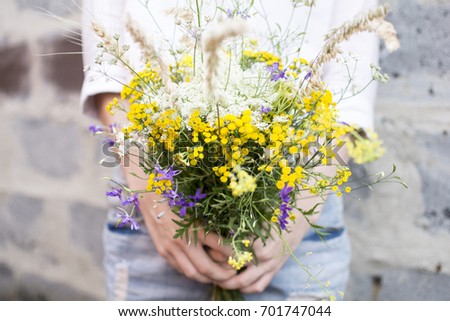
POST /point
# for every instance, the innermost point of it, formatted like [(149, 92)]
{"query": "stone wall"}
[(401, 238), (51, 188), (51, 191)]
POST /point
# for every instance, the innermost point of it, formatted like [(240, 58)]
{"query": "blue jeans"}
[(135, 271)]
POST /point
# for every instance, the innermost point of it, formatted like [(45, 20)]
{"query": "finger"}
[(216, 256), (260, 285), (206, 266), (173, 263), (244, 279), (189, 269), (215, 242)]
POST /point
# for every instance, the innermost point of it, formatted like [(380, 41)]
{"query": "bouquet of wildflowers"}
[(233, 136)]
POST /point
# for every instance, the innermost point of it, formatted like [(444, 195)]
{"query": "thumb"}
[(213, 241)]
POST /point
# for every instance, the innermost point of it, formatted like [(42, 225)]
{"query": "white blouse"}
[(325, 15)]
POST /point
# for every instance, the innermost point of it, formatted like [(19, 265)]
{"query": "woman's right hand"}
[(188, 258)]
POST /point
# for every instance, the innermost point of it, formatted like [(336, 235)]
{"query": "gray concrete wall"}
[(401, 238), (51, 191)]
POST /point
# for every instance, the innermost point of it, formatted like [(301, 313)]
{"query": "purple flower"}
[(184, 205), (173, 197), (183, 211), (125, 219), (283, 217), (274, 68), (109, 141), (265, 110), (276, 73), (284, 207), (113, 128), (115, 192), (243, 14), (166, 174), (177, 199), (131, 200), (198, 196), (195, 35), (308, 75), (95, 129), (284, 194)]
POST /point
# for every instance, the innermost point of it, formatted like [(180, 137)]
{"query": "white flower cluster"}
[(238, 90)]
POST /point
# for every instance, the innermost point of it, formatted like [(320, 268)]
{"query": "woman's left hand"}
[(271, 257)]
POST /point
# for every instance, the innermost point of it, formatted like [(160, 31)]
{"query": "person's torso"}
[(264, 19)]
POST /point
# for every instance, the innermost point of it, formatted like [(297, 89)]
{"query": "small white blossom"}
[(280, 119)]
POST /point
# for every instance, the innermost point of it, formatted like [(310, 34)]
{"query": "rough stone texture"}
[(35, 288), (399, 285), (398, 234), (64, 71), (53, 149), (406, 285), (434, 170), (22, 224), (25, 209), (423, 30), (3, 237), (15, 69), (420, 69), (7, 282), (437, 210), (360, 288), (52, 195), (20, 221), (86, 226)]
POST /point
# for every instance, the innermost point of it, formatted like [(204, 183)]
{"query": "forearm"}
[(119, 118), (307, 201), (134, 175)]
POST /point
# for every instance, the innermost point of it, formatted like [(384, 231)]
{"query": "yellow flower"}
[(365, 149), (280, 184), (186, 61), (112, 105), (240, 259), (293, 150), (241, 182)]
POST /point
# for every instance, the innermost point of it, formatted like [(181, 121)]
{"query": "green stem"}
[(305, 30), (195, 57), (199, 26), (198, 14), (292, 254)]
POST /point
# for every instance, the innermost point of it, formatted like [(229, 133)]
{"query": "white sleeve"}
[(357, 110), (110, 15)]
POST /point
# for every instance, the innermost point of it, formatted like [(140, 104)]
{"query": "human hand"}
[(192, 260), (271, 257), (188, 259)]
